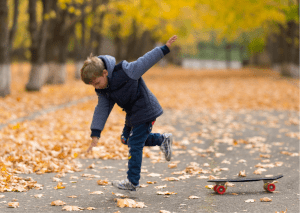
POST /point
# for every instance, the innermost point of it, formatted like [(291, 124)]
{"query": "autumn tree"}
[(67, 14), (88, 32), (6, 39), (39, 69)]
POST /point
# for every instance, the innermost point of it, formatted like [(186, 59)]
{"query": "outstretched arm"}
[(137, 68)]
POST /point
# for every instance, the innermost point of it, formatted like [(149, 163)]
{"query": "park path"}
[(211, 141), (207, 145)]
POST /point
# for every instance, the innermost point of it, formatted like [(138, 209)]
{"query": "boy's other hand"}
[(93, 144), (171, 40)]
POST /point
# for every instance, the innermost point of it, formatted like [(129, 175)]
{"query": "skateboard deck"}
[(269, 186)]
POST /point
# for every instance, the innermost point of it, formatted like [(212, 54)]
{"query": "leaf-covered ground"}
[(54, 141), (174, 87)]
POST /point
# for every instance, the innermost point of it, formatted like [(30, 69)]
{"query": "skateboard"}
[(269, 186)]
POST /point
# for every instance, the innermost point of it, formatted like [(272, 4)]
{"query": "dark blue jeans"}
[(136, 138)]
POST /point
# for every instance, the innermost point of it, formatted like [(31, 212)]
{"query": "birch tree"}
[(6, 40), (39, 69)]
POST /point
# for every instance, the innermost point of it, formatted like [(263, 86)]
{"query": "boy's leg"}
[(136, 138), (164, 141), (154, 139), (136, 143)]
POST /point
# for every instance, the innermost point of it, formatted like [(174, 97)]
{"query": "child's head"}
[(94, 73)]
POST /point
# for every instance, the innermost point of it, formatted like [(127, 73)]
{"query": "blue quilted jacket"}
[(127, 88)]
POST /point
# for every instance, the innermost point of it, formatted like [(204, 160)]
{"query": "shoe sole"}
[(116, 185), (170, 151)]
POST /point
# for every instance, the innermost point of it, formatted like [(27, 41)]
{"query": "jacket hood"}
[(110, 63)]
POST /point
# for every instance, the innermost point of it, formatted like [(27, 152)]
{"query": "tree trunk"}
[(228, 56), (38, 70), (132, 43), (81, 48), (13, 30), (57, 66), (5, 73)]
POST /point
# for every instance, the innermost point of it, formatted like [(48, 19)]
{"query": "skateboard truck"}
[(269, 186)]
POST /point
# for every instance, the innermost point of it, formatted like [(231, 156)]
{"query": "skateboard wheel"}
[(215, 188), (265, 186), (221, 190), (271, 187)]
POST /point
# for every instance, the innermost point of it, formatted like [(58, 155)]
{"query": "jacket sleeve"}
[(101, 113), (137, 68)]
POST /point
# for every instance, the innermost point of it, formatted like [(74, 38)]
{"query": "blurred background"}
[(213, 34)]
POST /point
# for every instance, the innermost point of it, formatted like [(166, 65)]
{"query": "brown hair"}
[(92, 68)]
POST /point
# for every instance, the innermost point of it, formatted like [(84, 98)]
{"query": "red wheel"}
[(271, 187), (215, 188), (221, 190)]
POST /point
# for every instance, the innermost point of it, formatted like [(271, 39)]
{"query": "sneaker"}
[(166, 146), (125, 185)]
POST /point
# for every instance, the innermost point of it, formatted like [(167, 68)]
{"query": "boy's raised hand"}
[(171, 40)]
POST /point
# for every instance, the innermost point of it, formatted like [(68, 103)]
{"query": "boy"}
[(122, 84)]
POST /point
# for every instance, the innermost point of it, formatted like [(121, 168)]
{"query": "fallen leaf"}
[(202, 177), (119, 195), (102, 182), (290, 153), (211, 177), (170, 179), (143, 185), (13, 204), (72, 208), (96, 193), (166, 193), (154, 175), (151, 182), (265, 156), (55, 179), (193, 197), (241, 161), (226, 161), (90, 208), (228, 184), (160, 187), (265, 199), (130, 203), (209, 186), (172, 165), (57, 203), (242, 173), (92, 166), (72, 196), (217, 155), (2, 196), (278, 163), (259, 171), (164, 211), (59, 186), (250, 201), (38, 195)]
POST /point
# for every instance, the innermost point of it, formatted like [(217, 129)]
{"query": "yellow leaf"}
[(59, 186), (57, 203)]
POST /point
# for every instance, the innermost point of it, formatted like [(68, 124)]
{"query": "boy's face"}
[(100, 82)]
